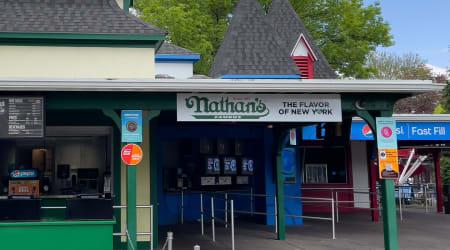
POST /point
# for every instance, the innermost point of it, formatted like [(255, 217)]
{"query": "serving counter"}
[(57, 235)]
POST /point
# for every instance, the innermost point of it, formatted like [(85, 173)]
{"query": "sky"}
[(419, 26)]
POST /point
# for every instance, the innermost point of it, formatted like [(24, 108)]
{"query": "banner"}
[(259, 107), (387, 148)]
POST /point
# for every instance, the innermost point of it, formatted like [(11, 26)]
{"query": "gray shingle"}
[(168, 48), (251, 46), (70, 16), (285, 20)]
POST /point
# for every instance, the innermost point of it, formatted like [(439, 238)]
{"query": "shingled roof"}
[(257, 43), (70, 16), (285, 20), (168, 48), (251, 46)]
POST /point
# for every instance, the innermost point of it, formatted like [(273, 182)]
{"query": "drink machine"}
[(24, 183)]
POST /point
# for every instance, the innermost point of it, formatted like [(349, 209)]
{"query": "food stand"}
[(40, 168)]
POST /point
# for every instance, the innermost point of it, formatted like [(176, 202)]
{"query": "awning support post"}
[(281, 224), (387, 191)]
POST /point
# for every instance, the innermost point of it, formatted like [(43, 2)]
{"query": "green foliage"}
[(440, 109), (195, 25), (445, 169), (347, 31), (390, 66)]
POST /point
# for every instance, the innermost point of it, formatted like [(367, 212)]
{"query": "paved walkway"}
[(417, 231)]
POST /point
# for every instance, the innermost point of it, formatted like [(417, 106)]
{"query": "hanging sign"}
[(387, 148), (131, 154), (259, 107), (131, 125), (21, 117)]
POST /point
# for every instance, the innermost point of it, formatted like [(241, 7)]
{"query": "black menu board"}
[(21, 117)]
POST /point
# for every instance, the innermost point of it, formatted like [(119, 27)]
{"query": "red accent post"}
[(439, 191)]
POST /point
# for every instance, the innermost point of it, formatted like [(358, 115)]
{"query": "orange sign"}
[(131, 154), (388, 159)]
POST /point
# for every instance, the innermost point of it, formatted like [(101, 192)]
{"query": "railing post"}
[(251, 201), (169, 240), (202, 214), (332, 218), (212, 220), (337, 207), (232, 225), (151, 228), (226, 210), (196, 247), (276, 214), (182, 207), (426, 197), (400, 209)]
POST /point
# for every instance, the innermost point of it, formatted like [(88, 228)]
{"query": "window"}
[(315, 174), (332, 162)]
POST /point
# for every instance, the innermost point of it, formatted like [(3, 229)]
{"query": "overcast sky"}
[(420, 26)]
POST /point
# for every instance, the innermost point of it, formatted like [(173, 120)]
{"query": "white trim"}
[(418, 117), (220, 85), (307, 45)]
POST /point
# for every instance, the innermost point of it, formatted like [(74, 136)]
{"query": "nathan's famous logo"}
[(225, 108)]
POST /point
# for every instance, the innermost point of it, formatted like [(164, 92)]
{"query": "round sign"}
[(386, 132), (131, 154)]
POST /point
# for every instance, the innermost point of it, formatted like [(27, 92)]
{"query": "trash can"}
[(446, 193)]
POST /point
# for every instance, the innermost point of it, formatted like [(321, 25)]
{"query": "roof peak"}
[(251, 45)]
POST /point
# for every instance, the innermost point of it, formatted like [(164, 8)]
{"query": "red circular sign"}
[(386, 132), (131, 154)]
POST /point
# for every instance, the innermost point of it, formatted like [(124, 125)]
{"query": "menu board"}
[(21, 117)]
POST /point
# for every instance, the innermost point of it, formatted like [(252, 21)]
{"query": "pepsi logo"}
[(367, 131)]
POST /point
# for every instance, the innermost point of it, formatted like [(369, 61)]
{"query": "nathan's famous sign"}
[(259, 107)]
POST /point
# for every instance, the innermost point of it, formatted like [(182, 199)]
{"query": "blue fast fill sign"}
[(131, 125)]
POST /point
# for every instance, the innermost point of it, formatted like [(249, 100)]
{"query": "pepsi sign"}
[(406, 131)]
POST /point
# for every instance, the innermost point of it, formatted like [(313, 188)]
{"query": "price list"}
[(21, 117)]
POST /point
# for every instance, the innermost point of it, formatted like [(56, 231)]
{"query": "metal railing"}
[(121, 234), (150, 234)]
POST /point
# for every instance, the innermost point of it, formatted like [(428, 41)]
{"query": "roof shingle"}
[(285, 20), (251, 46), (70, 16), (168, 48)]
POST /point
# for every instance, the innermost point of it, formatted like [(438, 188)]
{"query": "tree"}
[(346, 30), (192, 24), (390, 66)]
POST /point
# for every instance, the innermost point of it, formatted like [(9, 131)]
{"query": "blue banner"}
[(406, 131), (131, 125)]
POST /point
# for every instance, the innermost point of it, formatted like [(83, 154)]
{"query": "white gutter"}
[(417, 117), (219, 85)]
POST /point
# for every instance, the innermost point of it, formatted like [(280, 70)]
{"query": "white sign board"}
[(259, 107)]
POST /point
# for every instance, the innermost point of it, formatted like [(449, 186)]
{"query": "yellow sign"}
[(388, 161)]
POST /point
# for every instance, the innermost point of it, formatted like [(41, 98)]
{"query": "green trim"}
[(68, 39), (126, 5), (76, 36), (56, 223)]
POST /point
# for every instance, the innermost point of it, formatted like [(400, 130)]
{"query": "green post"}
[(389, 208), (387, 192), (389, 215), (280, 192), (131, 208)]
